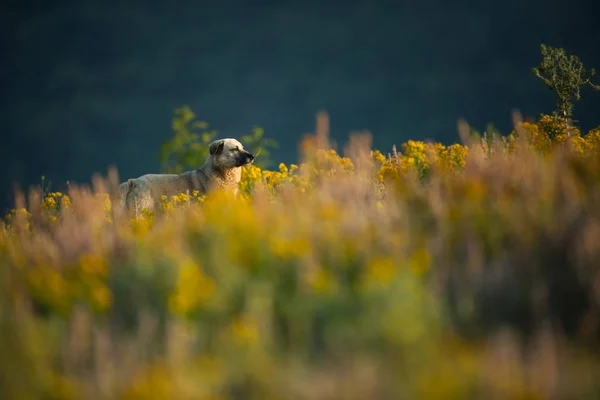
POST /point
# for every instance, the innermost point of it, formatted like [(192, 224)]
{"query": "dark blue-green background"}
[(92, 83)]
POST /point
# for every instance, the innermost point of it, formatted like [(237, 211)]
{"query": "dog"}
[(222, 169)]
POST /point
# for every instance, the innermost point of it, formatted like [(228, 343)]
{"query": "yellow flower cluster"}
[(418, 158), (53, 204), (551, 133), (182, 199), (193, 288), (61, 287), (252, 177)]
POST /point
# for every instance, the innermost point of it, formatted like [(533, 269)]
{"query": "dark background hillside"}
[(86, 84)]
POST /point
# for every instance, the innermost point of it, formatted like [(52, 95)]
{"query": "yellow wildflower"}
[(321, 280), (165, 204), (49, 202), (592, 141), (244, 330), (192, 289), (283, 169), (289, 248), (101, 297), (65, 202), (378, 156), (93, 264), (381, 271), (141, 225)]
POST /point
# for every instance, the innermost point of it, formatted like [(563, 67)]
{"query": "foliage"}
[(188, 147), (565, 75), (436, 272)]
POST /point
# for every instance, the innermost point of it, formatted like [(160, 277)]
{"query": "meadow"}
[(462, 271)]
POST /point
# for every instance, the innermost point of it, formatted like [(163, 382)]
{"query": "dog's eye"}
[(235, 150)]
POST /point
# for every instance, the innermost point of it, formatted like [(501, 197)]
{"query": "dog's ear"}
[(216, 147)]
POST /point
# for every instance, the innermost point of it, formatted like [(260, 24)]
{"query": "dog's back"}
[(145, 191)]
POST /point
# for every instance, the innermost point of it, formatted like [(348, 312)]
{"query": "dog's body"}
[(222, 169)]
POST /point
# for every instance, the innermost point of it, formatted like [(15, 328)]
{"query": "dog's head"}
[(229, 153)]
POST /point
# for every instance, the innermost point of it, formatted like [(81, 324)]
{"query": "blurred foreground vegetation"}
[(463, 271)]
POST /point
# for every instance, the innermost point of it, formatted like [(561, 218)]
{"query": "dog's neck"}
[(225, 179), (230, 177)]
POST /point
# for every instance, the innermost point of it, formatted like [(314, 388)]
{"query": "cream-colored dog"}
[(222, 169)]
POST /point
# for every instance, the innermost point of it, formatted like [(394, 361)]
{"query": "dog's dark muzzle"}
[(245, 159)]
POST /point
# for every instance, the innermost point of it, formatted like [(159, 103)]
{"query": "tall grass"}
[(464, 271)]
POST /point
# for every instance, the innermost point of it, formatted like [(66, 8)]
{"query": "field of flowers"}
[(462, 271)]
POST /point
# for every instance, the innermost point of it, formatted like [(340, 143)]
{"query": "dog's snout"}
[(245, 157)]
